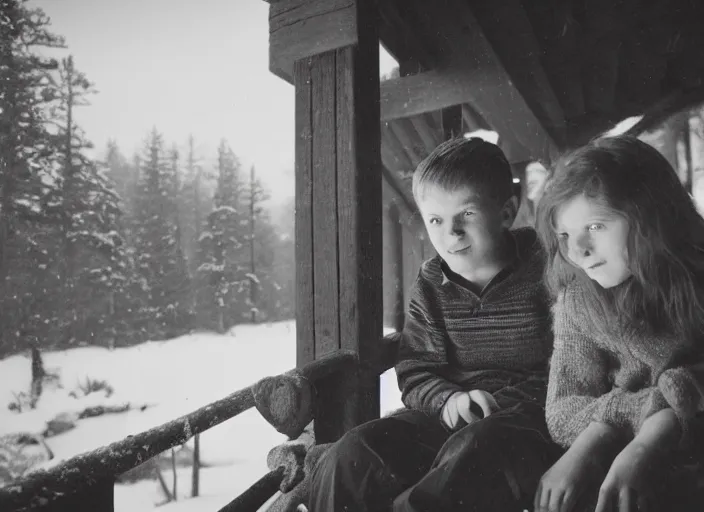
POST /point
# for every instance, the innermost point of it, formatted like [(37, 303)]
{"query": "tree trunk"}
[(195, 480)]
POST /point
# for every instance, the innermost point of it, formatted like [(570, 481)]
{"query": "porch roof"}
[(546, 75)]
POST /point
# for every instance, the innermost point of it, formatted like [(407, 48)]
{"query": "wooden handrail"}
[(257, 494), (107, 462)]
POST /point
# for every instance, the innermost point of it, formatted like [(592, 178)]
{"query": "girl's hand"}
[(564, 482), (627, 486), (582, 467)]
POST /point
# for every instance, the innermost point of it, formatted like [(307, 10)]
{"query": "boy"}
[(472, 363)]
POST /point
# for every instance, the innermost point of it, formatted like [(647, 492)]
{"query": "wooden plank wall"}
[(406, 227)]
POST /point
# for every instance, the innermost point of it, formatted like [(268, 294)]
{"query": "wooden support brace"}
[(304, 28), (338, 217)]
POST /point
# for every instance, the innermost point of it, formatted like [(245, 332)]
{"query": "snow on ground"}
[(174, 377)]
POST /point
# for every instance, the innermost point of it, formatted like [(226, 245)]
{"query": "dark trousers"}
[(411, 462)]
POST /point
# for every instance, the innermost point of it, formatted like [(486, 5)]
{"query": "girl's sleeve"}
[(580, 390), (422, 358), (683, 389)]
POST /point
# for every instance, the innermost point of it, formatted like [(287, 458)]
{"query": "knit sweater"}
[(616, 377), (457, 340)]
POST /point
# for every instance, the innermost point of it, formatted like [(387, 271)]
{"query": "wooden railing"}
[(86, 482)]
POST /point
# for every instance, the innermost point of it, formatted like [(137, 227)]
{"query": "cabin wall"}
[(400, 270)]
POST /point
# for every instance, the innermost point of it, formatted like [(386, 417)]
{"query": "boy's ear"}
[(508, 212)]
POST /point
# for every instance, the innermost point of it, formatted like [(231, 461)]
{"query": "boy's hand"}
[(458, 407), (485, 400)]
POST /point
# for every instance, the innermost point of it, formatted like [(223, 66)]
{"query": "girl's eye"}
[(468, 213), (434, 221), (562, 237), (595, 227)]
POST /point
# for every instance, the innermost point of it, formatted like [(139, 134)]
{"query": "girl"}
[(625, 249)]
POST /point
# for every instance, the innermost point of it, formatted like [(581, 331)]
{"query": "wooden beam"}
[(521, 56), (303, 28), (402, 129), (395, 184), (403, 41), (425, 132), (404, 166), (426, 92), (502, 106), (395, 233), (473, 74), (325, 205), (305, 311), (452, 122), (338, 163), (472, 120)]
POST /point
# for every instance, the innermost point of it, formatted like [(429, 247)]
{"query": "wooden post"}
[(396, 259), (338, 200), (451, 122)]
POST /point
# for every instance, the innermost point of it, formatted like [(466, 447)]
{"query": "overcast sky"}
[(184, 67)]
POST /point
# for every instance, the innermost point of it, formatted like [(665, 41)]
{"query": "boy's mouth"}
[(461, 250)]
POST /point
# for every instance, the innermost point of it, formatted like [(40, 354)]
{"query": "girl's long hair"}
[(665, 240)]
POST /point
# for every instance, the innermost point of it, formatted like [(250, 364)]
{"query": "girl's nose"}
[(581, 248)]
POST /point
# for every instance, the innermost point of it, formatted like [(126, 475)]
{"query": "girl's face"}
[(594, 238)]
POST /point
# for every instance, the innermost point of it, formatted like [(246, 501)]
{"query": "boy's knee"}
[(351, 449)]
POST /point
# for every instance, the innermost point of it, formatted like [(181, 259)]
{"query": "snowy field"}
[(173, 377)]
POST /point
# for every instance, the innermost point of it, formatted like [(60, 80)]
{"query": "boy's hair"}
[(665, 240), (461, 162)]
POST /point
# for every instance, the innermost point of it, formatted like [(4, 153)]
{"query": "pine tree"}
[(261, 238), (122, 175), (158, 256), (193, 203), (282, 298), (222, 252), (25, 160), (92, 268)]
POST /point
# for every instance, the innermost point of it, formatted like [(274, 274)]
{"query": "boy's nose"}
[(457, 230)]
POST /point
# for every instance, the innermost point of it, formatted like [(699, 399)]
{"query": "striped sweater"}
[(616, 377), (455, 339)]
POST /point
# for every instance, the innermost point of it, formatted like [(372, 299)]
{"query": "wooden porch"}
[(546, 75)]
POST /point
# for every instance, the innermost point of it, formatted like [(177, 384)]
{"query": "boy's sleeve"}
[(422, 359), (580, 391)]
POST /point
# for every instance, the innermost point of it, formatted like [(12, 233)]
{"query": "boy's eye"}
[(434, 221), (595, 226), (468, 213)]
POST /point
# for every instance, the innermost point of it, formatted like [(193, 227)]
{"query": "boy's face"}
[(465, 229)]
